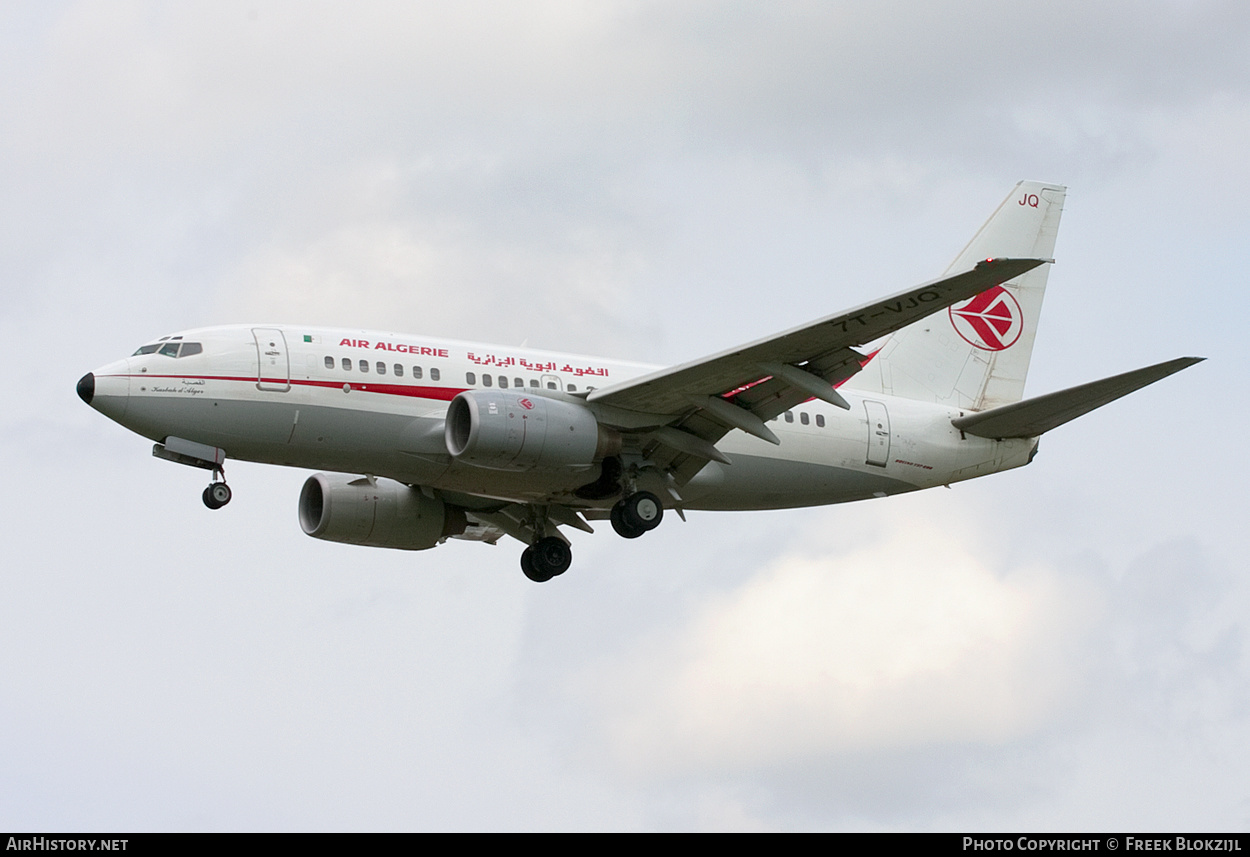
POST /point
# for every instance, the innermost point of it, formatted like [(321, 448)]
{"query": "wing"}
[(677, 415)]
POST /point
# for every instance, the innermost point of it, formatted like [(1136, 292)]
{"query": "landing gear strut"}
[(636, 514), (546, 558)]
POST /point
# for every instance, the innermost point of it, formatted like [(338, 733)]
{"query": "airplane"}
[(419, 439)]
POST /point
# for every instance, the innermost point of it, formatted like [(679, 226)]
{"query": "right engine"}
[(375, 512), (502, 430)]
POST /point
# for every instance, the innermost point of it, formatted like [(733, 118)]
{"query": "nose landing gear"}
[(216, 495), (192, 454)]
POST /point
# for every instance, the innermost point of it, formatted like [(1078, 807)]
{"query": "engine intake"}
[(375, 512), (502, 430)]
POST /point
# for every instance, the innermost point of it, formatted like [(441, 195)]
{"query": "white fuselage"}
[(373, 403)]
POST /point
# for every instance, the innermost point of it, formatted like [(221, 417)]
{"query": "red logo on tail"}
[(991, 321)]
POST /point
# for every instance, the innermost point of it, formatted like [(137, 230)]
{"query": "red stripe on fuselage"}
[(445, 394)]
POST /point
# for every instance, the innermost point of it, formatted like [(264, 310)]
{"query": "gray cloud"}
[(653, 182)]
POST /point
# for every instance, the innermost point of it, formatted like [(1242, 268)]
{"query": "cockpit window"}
[(171, 348)]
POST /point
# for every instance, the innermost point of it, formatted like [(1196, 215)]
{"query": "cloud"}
[(912, 640), (643, 180), (435, 276)]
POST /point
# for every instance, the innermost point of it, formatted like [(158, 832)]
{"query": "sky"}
[(1060, 647)]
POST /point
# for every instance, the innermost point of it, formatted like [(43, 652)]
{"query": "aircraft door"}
[(273, 362), (878, 433), (551, 382)]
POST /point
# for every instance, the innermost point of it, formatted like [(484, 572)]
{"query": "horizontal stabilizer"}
[(1033, 417)]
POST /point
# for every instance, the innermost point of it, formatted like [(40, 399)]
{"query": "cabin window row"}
[(503, 382), (381, 368), (805, 418)]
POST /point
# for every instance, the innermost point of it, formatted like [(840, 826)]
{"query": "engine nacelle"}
[(503, 430), (378, 513)]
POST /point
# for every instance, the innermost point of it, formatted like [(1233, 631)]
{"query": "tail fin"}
[(975, 354)]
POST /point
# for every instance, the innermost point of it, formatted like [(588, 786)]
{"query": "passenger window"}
[(486, 382), (518, 382), (399, 370), (820, 420), (503, 382), (329, 362), (347, 364), (381, 368), (416, 371), (533, 382), (789, 417), (551, 385), (572, 388), (804, 418), (364, 365), (434, 374), (469, 378)]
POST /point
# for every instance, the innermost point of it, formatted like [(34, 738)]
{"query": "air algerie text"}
[(399, 348)]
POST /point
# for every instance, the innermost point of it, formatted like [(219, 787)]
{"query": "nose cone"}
[(86, 387), (107, 389)]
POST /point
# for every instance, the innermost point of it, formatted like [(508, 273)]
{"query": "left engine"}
[(378, 513)]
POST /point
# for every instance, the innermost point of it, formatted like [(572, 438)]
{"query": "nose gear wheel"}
[(217, 495)]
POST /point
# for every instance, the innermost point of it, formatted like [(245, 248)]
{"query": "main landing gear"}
[(636, 514), (546, 558), (551, 556)]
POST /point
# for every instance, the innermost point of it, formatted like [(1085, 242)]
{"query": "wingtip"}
[(1025, 264)]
